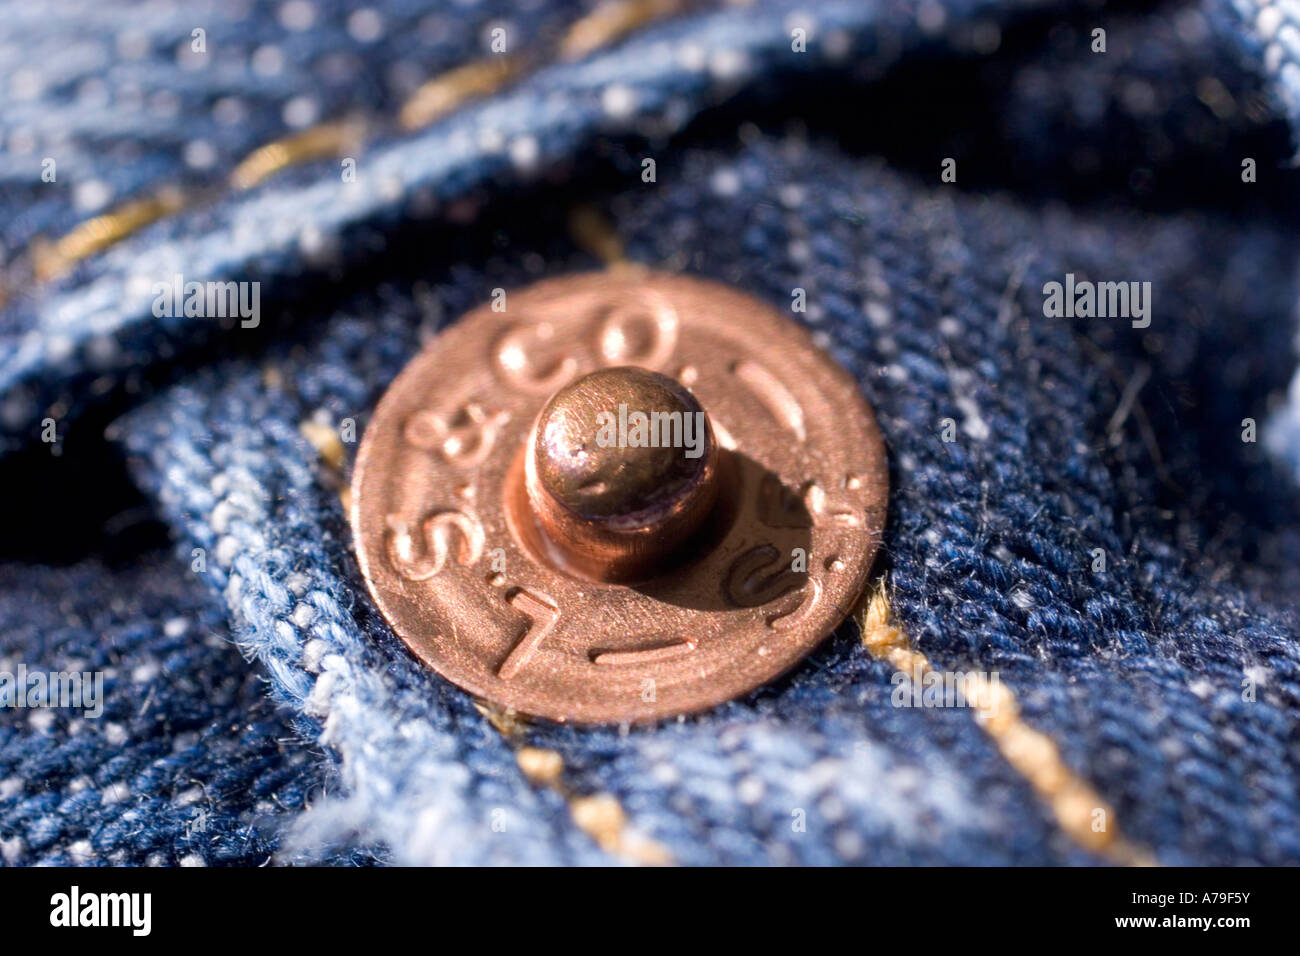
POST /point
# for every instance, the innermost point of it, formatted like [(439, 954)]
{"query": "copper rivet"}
[(619, 511), (622, 498)]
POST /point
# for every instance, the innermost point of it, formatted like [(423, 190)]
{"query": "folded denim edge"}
[(422, 776), (98, 324)]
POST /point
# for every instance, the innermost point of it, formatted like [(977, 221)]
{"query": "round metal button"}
[(621, 498), (609, 508)]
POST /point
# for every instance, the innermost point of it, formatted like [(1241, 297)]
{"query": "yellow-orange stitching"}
[(447, 91), (602, 818), (543, 768), (318, 142), (325, 439), (594, 233), (611, 21), (1074, 803), (94, 235), (598, 815)]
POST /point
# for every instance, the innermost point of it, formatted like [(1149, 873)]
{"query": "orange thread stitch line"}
[(319, 142), (611, 21), (594, 233), (608, 22), (95, 235), (448, 91), (599, 815), (1032, 753)]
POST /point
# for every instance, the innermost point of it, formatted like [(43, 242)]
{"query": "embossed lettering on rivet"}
[(566, 577)]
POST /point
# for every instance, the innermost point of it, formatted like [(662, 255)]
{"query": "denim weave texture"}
[(265, 697)]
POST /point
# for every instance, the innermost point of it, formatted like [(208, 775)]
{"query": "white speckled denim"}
[(775, 170)]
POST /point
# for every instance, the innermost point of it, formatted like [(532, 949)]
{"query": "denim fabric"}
[(189, 763), (1073, 434), (123, 102), (97, 325)]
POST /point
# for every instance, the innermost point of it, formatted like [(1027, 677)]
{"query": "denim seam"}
[(599, 815), (94, 323), (609, 22), (1030, 752)]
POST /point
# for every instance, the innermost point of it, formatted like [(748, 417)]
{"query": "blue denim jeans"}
[(1097, 533)]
